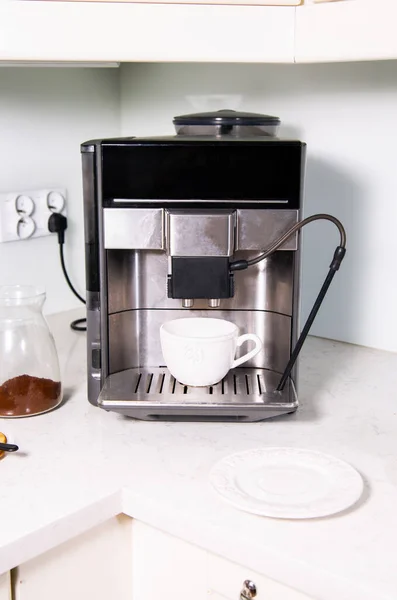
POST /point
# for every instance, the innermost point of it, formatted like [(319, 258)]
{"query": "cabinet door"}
[(95, 565), (166, 567), (5, 587), (226, 579), (140, 32), (346, 31)]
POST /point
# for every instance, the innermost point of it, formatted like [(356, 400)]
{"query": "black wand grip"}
[(334, 266)]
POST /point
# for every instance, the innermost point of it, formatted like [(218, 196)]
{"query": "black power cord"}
[(58, 223), (339, 254)]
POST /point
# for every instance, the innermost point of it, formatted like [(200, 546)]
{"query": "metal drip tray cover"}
[(245, 394)]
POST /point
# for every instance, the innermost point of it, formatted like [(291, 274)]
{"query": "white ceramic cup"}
[(199, 351)]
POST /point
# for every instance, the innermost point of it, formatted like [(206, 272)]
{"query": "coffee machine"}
[(169, 223)]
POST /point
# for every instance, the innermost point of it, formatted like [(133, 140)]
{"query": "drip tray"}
[(154, 394)]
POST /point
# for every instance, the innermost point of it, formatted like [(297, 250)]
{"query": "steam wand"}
[(339, 254), (334, 266)]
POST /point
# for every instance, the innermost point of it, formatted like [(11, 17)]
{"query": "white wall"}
[(347, 114), (45, 114)]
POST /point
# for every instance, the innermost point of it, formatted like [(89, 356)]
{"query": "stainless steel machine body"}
[(163, 218)]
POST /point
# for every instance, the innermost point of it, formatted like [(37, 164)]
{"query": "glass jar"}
[(30, 381)]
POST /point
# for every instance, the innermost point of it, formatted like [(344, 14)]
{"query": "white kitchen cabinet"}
[(165, 567), (169, 568), (5, 586), (96, 564), (125, 32), (124, 559), (346, 31), (112, 32), (238, 2)]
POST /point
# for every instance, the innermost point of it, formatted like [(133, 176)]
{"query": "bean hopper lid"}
[(226, 122)]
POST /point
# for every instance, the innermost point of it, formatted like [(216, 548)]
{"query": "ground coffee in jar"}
[(27, 395), (30, 378)]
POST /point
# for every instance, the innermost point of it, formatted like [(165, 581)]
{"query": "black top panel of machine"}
[(185, 172)]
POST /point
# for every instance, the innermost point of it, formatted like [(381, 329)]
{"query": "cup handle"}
[(244, 338)]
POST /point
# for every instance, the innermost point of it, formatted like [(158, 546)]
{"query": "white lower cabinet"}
[(168, 568), (124, 559), (165, 567), (93, 566), (5, 586)]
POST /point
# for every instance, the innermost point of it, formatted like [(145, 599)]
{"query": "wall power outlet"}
[(24, 215)]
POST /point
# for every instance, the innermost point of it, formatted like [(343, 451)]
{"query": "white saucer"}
[(287, 483)]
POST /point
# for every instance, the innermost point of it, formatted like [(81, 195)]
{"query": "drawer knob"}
[(249, 590)]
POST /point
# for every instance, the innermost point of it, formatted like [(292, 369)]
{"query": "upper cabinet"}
[(227, 31), (132, 32), (349, 30)]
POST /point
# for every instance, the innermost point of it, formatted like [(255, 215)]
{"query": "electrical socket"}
[(24, 215)]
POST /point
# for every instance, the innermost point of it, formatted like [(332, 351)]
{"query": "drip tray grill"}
[(237, 383), (155, 393)]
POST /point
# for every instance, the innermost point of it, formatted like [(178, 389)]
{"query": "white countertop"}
[(79, 466)]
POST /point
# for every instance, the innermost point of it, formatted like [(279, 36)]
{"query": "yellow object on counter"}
[(3, 440)]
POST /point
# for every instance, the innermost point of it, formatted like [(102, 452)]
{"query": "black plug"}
[(58, 223)]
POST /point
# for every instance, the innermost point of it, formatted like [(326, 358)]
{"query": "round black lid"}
[(226, 117)]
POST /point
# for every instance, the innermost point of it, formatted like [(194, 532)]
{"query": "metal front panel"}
[(134, 336), (137, 302), (133, 228), (200, 232), (138, 280), (258, 229), (196, 233)]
